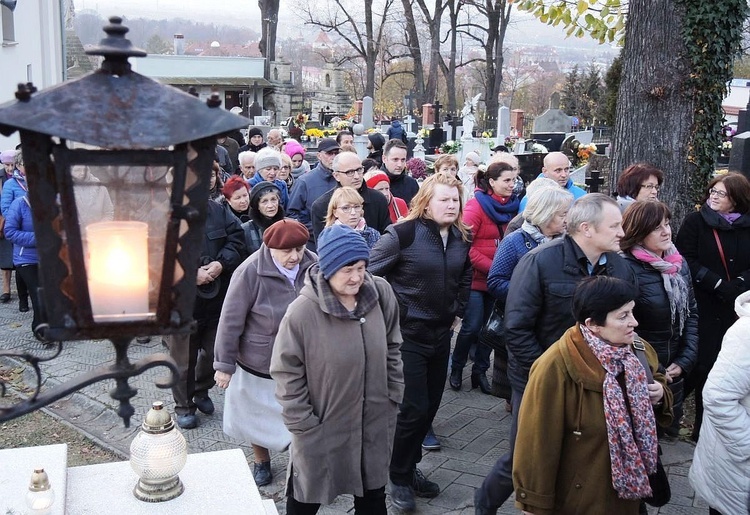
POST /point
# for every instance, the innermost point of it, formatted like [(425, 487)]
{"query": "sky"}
[(523, 30)]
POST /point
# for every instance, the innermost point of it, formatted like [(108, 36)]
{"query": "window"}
[(9, 30)]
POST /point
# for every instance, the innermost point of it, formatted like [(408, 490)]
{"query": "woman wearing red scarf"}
[(666, 310), (587, 425)]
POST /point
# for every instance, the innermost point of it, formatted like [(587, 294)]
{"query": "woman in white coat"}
[(721, 465)]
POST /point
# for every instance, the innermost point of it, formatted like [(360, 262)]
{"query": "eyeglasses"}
[(286, 167), (350, 209), (352, 172), (718, 193), (650, 187)]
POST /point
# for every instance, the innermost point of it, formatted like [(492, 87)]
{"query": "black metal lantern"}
[(118, 169)]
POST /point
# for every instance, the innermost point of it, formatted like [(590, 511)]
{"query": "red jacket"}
[(486, 237), (397, 208)]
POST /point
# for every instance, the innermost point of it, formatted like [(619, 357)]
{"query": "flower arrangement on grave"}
[(510, 142), (487, 134), (726, 148), (300, 121), (423, 133), (584, 152), (342, 125), (538, 148), (417, 168), (314, 133), (450, 147)]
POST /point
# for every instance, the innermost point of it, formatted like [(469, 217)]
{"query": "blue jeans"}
[(478, 310)]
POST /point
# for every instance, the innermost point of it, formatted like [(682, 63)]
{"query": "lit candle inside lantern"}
[(118, 270)]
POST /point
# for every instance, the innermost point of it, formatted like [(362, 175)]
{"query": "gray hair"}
[(245, 154), (337, 159), (545, 202), (588, 209), (18, 159)]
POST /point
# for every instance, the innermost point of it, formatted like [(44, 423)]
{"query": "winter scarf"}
[(535, 233), (631, 435), (498, 212), (669, 267)]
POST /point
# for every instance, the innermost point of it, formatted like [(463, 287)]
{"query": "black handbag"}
[(493, 332)]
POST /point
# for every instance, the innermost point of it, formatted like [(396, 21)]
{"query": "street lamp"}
[(118, 169)]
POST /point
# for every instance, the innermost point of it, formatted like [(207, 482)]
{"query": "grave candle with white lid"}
[(118, 270)]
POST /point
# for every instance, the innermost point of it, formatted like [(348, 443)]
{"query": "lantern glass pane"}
[(123, 213)]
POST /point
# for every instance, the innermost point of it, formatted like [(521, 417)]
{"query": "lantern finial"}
[(116, 48)]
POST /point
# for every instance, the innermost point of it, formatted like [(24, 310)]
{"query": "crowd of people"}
[(329, 297)]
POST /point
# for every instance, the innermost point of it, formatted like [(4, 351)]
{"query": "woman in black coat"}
[(716, 244), (665, 308)]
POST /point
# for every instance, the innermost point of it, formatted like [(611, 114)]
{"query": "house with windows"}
[(32, 48)]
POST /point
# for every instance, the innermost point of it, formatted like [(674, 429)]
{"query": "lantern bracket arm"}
[(120, 370)]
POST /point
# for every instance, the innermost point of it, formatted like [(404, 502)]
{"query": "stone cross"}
[(437, 105), (448, 128), (593, 181), (245, 101), (367, 119), (409, 121)]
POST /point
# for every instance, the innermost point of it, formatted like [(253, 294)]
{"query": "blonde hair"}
[(545, 202), (418, 207), (505, 158), (342, 196)]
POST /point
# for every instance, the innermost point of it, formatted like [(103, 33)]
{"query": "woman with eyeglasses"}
[(640, 181), (715, 241), (347, 208), (285, 172), (665, 306)]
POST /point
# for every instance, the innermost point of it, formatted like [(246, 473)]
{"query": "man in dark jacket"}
[(403, 186), (223, 248), (375, 142), (311, 185), (348, 171), (538, 310)]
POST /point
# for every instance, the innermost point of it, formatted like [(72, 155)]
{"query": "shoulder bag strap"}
[(721, 254), (639, 349)]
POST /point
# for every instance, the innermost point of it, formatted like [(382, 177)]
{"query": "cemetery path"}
[(472, 427)]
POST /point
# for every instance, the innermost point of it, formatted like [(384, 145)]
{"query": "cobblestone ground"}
[(473, 428)]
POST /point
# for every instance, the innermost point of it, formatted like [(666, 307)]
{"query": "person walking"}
[(538, 310), (260, 291), (425, 258), (339, 379)]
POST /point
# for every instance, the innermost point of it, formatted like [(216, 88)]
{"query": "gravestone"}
[(503, 124), (739, 157), (553, 119), (428, 116), (448, 128), (594, 181), (437, 105), (367, 119)]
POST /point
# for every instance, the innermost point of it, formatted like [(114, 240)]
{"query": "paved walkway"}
[(472, 427)]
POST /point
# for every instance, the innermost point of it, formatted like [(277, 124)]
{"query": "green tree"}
[(608, 104), (157, 45), (676, 61)]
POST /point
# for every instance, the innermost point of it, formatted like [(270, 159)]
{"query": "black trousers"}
[(194, 355), (498, 485), (371, 503), (425, 370), (28, 275)]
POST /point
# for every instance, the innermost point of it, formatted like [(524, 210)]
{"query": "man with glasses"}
[(557, 167), (310, 186), (348, 171)]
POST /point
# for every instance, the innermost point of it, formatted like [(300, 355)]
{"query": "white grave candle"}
[(118, 270)]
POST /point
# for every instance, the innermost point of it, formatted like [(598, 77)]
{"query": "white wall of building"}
[(157, 66), (34, 53)]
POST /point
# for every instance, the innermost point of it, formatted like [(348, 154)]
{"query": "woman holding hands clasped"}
[(259, 293), (587, 426)]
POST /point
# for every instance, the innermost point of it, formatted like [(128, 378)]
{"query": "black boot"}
[(23, 304), (455, 378), (479, 380)]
